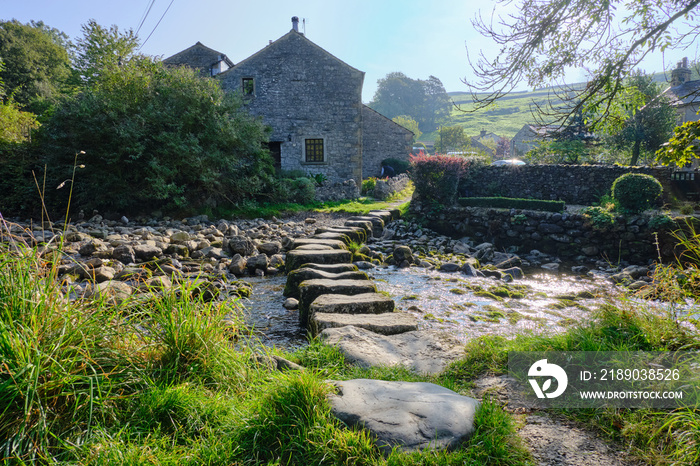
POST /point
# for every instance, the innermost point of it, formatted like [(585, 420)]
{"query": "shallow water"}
[(446, 301)]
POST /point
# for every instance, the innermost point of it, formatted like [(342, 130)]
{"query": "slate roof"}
[(687, 93)]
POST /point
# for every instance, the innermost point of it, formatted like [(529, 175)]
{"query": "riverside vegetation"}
[(172, 378)]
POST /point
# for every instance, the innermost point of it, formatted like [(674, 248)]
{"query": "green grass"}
[(168, 380)]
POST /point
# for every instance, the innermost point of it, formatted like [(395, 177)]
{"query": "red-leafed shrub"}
[(436, 177)]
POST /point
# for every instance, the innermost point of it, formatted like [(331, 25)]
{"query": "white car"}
[(509, 162)]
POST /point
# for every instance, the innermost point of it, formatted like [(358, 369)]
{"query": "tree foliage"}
[(154, 138), (410, 124), (640, 119), (15, 125), (102, 49), (426, 101), (544, 38), (451, 138), (37, 65), (683, 146)]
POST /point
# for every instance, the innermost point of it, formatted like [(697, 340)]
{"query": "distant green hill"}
[(511, 112)]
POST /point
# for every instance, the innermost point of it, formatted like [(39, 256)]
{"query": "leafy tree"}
[(425, 101), (410, 124), (37, 65), (153, 138), (102, 49), (543, 38), (572, 143), (640, 119), (451, 138), (683, 146), (503, 148), (15, 125)]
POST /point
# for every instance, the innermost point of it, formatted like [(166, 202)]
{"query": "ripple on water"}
[(460, 305)]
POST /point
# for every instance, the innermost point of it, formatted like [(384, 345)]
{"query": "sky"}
[(378, 37)]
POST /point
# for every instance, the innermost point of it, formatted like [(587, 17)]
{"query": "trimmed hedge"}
[(636, 192), (512, 203)]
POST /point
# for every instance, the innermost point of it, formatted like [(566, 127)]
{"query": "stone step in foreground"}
[(332, 235), (296, 277), (364, 224), (298, 257), (386, 215), (409, 415), (312, 289), (368, 303), (423, 351), (391, 323)]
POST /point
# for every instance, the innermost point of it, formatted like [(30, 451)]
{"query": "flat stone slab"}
[(366, 303), (408, 415), (377, 223), (391, 323), (334, 243), (315, 247), (333, 235), (364, 224), (309, 290), (356, 234), (386, 215), (297, 258), (423, 351), (296, 277), (332, 268)]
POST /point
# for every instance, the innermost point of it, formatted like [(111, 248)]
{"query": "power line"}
[(145, 15), (157, 24)]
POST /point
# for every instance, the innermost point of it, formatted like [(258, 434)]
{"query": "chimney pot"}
[(295, 23)]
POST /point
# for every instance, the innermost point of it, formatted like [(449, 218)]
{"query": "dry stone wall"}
[(574, 184)]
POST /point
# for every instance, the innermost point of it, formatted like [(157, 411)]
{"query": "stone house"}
[(312, 101), (528, 137), (684, 94), (208, 61)]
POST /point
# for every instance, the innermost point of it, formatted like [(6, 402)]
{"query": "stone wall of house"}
[(574, 184), (566, 235), (382, 139), (303, 92)]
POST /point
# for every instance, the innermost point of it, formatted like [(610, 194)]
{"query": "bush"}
[(512, 203), (436, 178), (154, 138), (399, 166), (599, 217), (636, 192), (368, 186), (303, 190)]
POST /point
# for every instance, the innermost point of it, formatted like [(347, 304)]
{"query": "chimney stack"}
[(681, 74), (295, 23)]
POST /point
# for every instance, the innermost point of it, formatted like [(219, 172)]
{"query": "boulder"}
[(290, 304), (368, 303), (179, 237), (312, 289), (409, 415), (113, 292), (423, 351), (296, 258), (270, 248), (391, 323), (238, 265), (147, 252), (258, 262), (403, 253), (124, 254), (513, 272), (296, 277), (240, 245), (449, 267)]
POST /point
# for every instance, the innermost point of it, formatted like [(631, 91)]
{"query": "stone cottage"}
[(312, 101), (208, 61), (684, 93)]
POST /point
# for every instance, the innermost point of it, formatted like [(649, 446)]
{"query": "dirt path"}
[(553, 441)]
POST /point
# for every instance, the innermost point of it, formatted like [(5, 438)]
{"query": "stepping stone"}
[(367, 303), (391, 323), (297, 276), (334, 243), (423, 351), (377, 223), (331, 235), (385, 215), (297, 258), (364, 224), (312, 289), (332, 268), (315, 247), (356, 234), (409, 415)]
